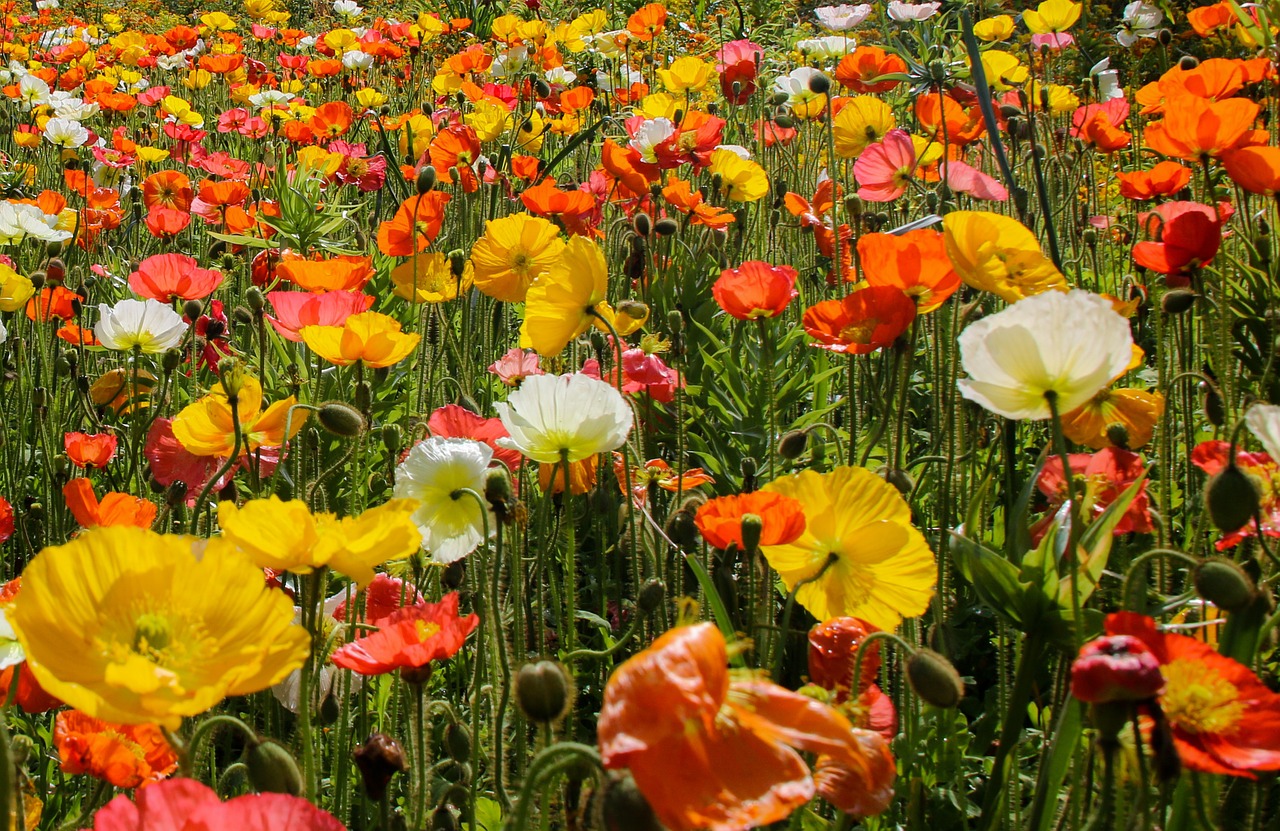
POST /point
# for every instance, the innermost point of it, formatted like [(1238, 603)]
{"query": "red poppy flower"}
[(124, 755), (833, 649), (415, 226), (90, 450), (733, 740), (1115, 668), (1262, 470), (453, 421), (863, 322), (409, 638), (781, 517), (1190, 236), (171, 462), (170, 277), (1106, 475), (1224, 720), (755, 289), (180, 804), (6, 520), (1165, 179), (166, 223), (52, 302), (382, 597), (114, 509)]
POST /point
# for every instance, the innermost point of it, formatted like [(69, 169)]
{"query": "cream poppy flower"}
[(553, 415), (436, 469), (147, 325)]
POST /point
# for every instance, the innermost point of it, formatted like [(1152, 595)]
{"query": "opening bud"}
[(379, 759)]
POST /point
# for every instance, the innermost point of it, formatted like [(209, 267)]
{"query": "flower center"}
[(151, 634), (1198, 699), (424, 630), (859, 333)]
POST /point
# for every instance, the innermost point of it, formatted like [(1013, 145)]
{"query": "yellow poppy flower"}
[(489, 119), (686, 74), (131, 626), (205, 429), (1052, 16), (429, 278), (994, 29), (286, 536), (1137, 411), (994, 253), (514, 251), (370, 337), (858, 528), (1062, 99), (863, 121), (1004, 71), (15, 290), (218, 21), (568, 299), (742, 180)]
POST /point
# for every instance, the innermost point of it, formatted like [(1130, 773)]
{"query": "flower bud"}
[(499, 493), (392, 435), (442, 819), (192, 309), (20, 748), (232, 376), (934, 679), (793, 444), (624, 808), (752, 526), (1214, 410), (426, 180), (749, 468), (256, 300), (682, 530), (379, 759), (544, 691), (175, 494), (665, 227), (171, 360), (651, 596), (341, 419), (901, 480), (272, 769), (1164, 37), (1188, 62), (364, 396), (453, 575), (1231, 498), (457, 742), (642, 224), (1177, 301), (1224, 584), (819, 84), (1118, 435)]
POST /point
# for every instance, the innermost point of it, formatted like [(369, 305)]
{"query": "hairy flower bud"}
[(1224, 584), (934, 679), (1231, 498), (341, 419), (272, 769), (544, 691)]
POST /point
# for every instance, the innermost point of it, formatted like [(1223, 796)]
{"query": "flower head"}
[(160, 634), (781, 519), (567, 299), (755, 289), (869, 319), (550, 417), (410, 638), (146, 325), (124, 755), (370, 337), (997, 254), (513, 253), (1115, 668), (169, 277), (296, 309), (182, 804), (433, 475)]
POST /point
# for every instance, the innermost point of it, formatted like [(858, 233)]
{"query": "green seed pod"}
[(341, 419), (171, 360), (272, 769), (544, 691), (934, 679), (1231, 498), (256, 300), (457, 742), (1224, 584), (392, 436)]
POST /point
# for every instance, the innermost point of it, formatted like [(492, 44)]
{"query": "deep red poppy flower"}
[(1190, 236), (1115, 668), (1106, 475)]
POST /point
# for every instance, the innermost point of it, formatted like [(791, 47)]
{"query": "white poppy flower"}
[(550, 416), (147, 325), (906, 12), (452, 524), (1264, 423), (842, 18)]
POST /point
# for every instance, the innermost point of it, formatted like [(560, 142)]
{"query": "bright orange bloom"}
[(331, 120), (1208, 19), (1195, 128), (755, 289), (73, 334), (1223, 719), (370, 337), (781, 518), (961, 126), (223, 194), (624, 163), (342, 273), (124, 755), (170, 277), (576, 209), (221, 64), (647, 22), (52, 302), (167, 188), (453, 152), (859, 70), (655, 473), (1217, 79), (1256, 169), (114, 509), (915, 262), (733, 740), (681, 196), (1165, 179), (415, 226), (863, 322), (411, 638), (582, 476), (1099, 132), (206, 428), (90, 450)]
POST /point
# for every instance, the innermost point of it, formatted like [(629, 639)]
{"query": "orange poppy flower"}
[(1099, 132), (576, 99), (114, 509), (52, 302), (962, 126), (220, 64), (74, 334), (372, 338), (863, 322), (1206, 20), (720, 520), (915, 263), (647, 22), (860, 70), (331, 120), (1256, 169), (1194, 128), (755, 290), (415, 226), (656, 473), (733, 740), (410, 638), (124, 755), (169, 189), (1216, 79), (90, 450), (583, 475), (453, 151), (342, 273), (1165, 179), (681, 196), (223, 194), (627, 169), (325, 68)]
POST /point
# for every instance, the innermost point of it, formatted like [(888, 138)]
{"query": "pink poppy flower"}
[(1054, 40), (964, 178), (515, 366), (188, 805), (295, 309), (884, 169), (169, 277), (171, 462), (646, 372)]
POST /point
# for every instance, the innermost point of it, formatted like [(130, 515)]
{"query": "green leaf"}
[(488, 814), (995, 579)]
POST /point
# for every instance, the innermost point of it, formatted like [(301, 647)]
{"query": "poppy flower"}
[(433, 475), (946, 121), (885, 168), (342, 273), (145, 325), (862, 122), (453, 421), (869, 319), (383, 596), (998, 254), (114, 509), (167, 189), (6, 520), (372, 338), (1098, 132), (205, 427), (1067, 344), (1206, 20), (513, 252), (719, 520), (409, 638), (859, 554), (916, 263), (1256, 169), (681, 196), (647, 22), (52, 302), (550, 417), (1105, 475), (582, 476), (180, 803), (415, 226), (295, 309), (1164, 179), (429, 278), (1137, 411), (170, 277), (1115, 668), (123, 755), (568, 299), (1263, 472), (453, 152), (656, 473), (675, 706), (645, 372), (1223, 718), (742, 180), (833, 649), (864, 70), (1195, 128), (90, 450), (516, 365), (755, 289), (1190, 236), (166, 223)]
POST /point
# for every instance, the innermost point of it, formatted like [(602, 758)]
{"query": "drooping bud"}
[(624, 808), (500, 494), (1118, 435), (544, 691), (934, 679), (1224, 584), (900, 479), (651, 596), (666, 226), (642, 224), (1231, 498), (256, 300), (171, 360), (426, 180), (379, 759), (192, 309), (819, 83), (341, 419), (272, 769), (1177, 301), (793, 444), (457, 742)]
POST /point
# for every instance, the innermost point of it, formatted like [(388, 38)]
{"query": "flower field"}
[(714, 415)]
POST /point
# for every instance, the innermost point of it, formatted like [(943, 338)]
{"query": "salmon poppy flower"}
[(90, 450), (1224, 720), (409, 638), (1190, 236), (1256, 169), (885, 168), (1164, 179), (124, 755), (863, 322), (180, 804), (170, 277), (415, 226), (755, 290), (1106, 475), (114, 509), (915, 263), (372, 338), (453, 421), (734, 740), (719, 520), (295, 309)]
